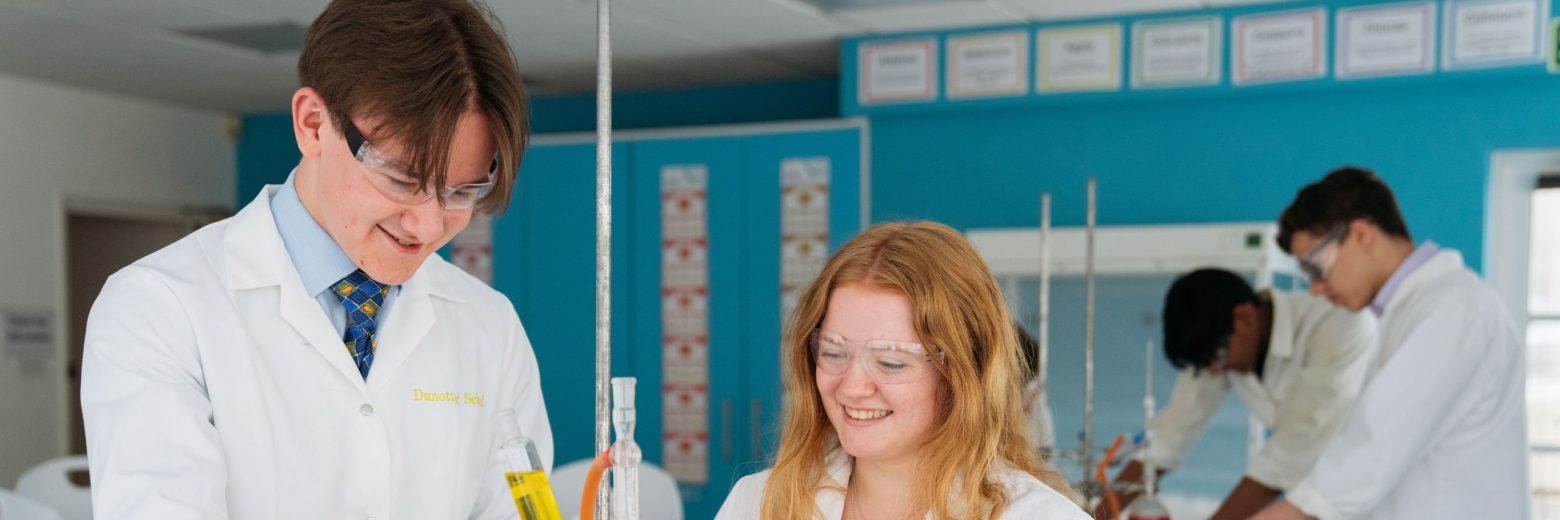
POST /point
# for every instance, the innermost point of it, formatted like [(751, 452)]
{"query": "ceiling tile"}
[(142, 15)]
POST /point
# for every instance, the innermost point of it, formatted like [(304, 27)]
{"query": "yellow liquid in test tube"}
[(533, 496)]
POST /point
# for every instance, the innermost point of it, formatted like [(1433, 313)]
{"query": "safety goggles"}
[(398, 183), (884, 361), (1316, 263)]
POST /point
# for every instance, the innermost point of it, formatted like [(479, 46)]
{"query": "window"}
[(1543, 347)]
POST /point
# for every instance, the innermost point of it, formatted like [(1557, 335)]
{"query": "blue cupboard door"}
[(720, 158)]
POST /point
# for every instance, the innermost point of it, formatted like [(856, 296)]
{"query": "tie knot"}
[(358, 292)]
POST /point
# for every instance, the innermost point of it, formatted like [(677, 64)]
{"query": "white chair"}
[(17, 507), (49, 483), (659, 498)]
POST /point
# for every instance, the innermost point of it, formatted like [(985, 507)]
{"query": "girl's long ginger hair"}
[(959, 311)]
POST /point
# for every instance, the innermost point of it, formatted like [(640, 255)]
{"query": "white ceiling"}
[(131, 47)]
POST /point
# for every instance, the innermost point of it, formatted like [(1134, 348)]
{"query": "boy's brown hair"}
[(416, 67)]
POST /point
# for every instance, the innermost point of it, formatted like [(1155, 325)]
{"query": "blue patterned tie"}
[(362, 297)]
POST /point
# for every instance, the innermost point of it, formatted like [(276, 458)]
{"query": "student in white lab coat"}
[(902, 378), (311, 357), (1296, 361), (1440, 431)]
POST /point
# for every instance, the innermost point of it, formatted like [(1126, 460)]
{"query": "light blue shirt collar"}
[(1415, 260), (319, 260)]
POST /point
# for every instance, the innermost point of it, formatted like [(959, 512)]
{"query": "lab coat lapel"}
[(257, 258), (406, 323)]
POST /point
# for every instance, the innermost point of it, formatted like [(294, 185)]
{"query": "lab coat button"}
[(366, 410)]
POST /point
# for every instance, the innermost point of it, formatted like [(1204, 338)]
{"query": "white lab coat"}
[(214, 387), (1028, 498), (1441, 430), (1318, 358)]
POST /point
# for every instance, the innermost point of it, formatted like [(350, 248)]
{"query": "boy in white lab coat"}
[(1440, 431), (311, 357), (1296, 361)]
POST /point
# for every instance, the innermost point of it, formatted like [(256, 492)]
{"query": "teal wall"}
[(730, 104), (266, 153)]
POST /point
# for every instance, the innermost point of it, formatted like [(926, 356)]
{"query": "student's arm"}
[(151, 443), (1193, 402), (1248, 497), (1282, 510)]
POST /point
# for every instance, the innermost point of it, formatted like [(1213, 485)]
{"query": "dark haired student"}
[(311, 357), (1441, 430), (1296, 362)]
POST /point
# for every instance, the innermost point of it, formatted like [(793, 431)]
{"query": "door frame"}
[(1512, 178)]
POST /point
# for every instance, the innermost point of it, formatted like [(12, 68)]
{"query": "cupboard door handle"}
[(756, 429), (725, 429)]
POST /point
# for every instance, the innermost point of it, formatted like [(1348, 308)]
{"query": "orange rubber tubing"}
[(593, 483), (1100, 475)]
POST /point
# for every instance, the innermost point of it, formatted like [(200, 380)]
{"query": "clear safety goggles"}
[(397, 182), (1319, 260), (884, 361)]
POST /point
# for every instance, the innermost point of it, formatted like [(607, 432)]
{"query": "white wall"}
[(62, 145)]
